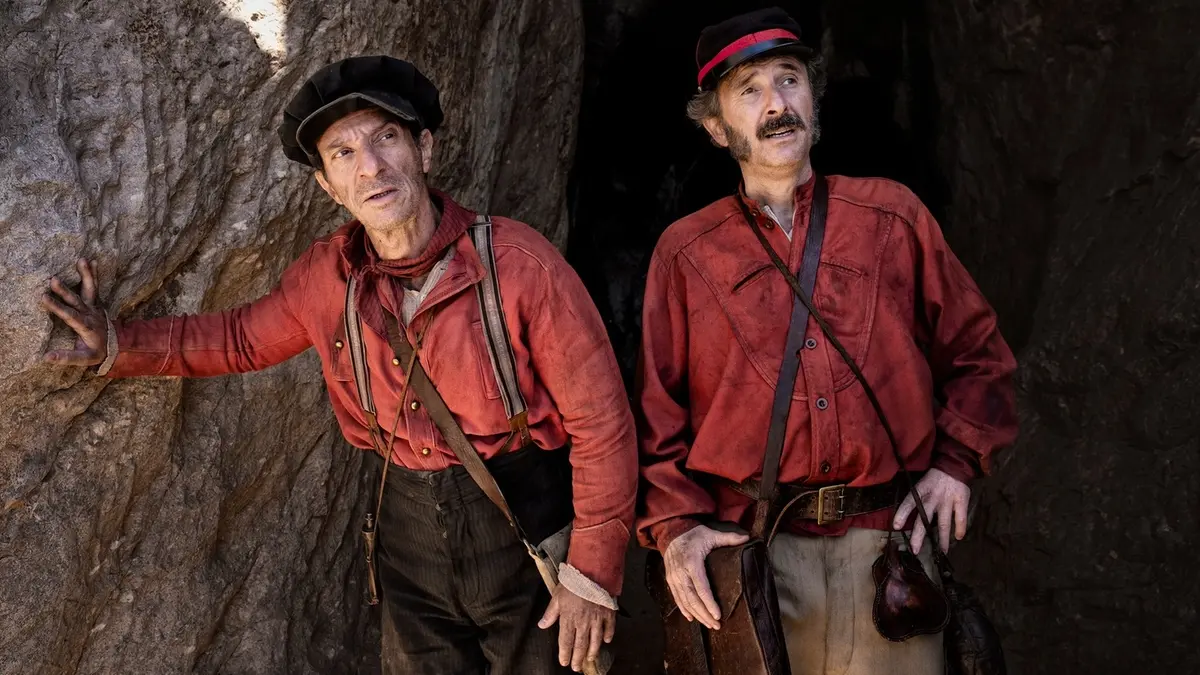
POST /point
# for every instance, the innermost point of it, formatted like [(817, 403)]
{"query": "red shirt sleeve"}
[(972, 365), (673, 501), (251, 337), (573, 359)]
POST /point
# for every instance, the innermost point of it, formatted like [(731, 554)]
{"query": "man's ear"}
[(324, 183), (716, 131), (426, 146)]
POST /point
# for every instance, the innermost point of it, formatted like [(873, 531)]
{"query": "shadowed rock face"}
[(1059, 146), (159, 525), (1072, 145)]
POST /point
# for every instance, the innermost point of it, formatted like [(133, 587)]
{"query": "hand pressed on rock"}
[(82, 313)]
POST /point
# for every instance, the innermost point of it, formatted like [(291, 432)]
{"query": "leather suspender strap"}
[(495, 329), (791, 353), (425, 390), (805, 297)]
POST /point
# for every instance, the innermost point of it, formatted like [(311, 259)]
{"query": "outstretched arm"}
[(251, 337)]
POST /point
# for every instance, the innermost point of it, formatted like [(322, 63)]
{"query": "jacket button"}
[(415, 405), (826, 467), (338, 344), (810, 343), (822, 403), (395, 362), (425, 451)]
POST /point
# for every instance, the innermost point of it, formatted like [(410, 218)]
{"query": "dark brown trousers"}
[(461, 593)]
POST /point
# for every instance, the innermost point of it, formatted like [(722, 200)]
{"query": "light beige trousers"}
[(825, 596)]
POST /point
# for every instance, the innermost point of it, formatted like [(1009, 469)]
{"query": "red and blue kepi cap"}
[(726, 45)]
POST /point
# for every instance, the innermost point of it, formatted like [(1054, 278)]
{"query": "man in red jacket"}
[(716, 339), (459, 586)]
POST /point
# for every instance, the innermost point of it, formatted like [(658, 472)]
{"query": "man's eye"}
[(387, 135), (789, 80), (341, 153), (748, 90)]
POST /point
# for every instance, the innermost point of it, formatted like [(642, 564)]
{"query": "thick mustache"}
[(785, 121)]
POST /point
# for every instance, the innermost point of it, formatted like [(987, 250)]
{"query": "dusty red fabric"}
[(565, 367), (715, 320), (373, 272)]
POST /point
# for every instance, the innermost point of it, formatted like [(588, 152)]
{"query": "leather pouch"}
[(750, 641)]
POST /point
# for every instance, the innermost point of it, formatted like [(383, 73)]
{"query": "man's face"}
[(767, 115), (375, 168)]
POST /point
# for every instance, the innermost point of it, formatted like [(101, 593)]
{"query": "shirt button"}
[(810, 343), (338, 344), (425, 451), (826, 467), (822, 403), (395, 362), (415, 405)]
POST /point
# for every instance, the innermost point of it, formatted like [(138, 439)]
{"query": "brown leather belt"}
[(830, 503)]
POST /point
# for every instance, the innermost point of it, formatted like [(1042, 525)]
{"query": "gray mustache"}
[(785, 121)]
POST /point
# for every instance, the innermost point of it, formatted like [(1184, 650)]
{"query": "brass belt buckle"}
[(831, 492)]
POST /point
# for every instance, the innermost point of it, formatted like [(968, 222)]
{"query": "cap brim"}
[(759, 50), (310, 130)]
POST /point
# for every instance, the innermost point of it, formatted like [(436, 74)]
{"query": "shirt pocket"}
[(758, 305), (845, 295), (487, 374), (341, 365)]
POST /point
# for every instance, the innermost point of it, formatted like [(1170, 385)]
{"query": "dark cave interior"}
[(1058, 145), (641, 164)]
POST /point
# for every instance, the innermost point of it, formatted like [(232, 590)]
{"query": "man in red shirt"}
[(716, 338), (458, 584)]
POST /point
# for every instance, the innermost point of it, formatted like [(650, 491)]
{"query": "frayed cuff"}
[(584, 587), (111, 347)]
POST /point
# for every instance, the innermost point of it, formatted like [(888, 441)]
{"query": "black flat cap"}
[(726, 45), (352, 84)]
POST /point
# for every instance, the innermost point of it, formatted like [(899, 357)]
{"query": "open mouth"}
[(381, 195), (782, 133)]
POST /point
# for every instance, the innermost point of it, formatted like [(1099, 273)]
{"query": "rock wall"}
[(159, 525), (1071, 140)]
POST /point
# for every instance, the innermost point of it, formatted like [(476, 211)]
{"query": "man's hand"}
[(582, 624), (945, 500), (687, 576), (82, 315)]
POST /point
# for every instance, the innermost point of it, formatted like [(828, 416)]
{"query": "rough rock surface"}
[(1072, 145), (159, 525)]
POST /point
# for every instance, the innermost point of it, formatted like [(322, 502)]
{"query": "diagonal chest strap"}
[(437, 410), (790, 367)]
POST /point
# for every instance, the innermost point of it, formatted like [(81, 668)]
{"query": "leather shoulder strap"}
[(791, 354), (939, 558), (495, 329), (435, 406)]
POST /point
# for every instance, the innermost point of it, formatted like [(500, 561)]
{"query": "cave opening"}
[(641, 164)]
